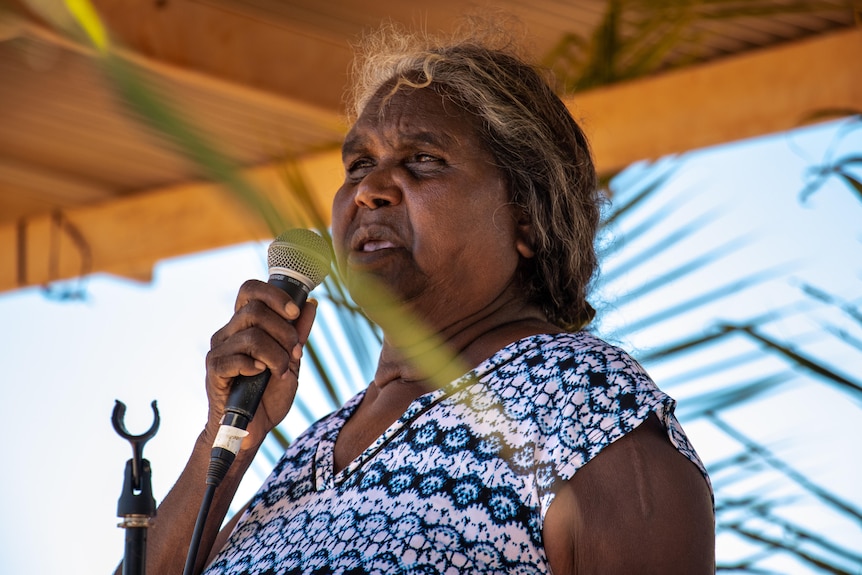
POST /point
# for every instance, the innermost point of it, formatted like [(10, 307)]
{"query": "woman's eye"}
[(423, 161), (425, 165), (358, 167)]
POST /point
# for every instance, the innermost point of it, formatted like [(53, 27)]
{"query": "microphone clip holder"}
[(136, 505)]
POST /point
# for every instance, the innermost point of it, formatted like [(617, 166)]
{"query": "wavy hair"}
[(531, 135)]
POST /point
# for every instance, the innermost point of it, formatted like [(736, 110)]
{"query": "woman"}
[(471, 196)]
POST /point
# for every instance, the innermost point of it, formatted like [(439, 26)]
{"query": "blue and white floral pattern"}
[(462, 481)]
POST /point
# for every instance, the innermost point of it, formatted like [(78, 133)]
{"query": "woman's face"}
[(424, 210)]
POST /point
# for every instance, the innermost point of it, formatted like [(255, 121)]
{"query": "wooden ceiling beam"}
[(763, 92), (231, 43), (128, 236), (756, 93), (38, 185), (329, 119)]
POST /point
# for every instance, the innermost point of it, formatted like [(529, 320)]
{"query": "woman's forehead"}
[(421, 115)]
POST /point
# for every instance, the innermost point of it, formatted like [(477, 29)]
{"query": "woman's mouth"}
[(376, 245)]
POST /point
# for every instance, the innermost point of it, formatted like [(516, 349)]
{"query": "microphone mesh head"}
[(302, 251)]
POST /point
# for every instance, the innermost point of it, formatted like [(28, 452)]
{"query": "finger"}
[(248, 351), (294, 345), (303, 327), (256, 314), (228, 367), (305, 320), (276, 299)]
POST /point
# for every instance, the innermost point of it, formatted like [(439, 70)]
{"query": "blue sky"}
[(66, 362)]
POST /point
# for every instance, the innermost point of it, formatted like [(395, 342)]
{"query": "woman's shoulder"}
[(551, 375), (571, 353)]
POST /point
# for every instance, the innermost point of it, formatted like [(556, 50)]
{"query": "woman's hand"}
[(267, 330)]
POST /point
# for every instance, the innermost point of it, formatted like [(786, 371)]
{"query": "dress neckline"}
[(324, 459)]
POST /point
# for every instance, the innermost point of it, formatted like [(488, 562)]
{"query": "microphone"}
[(298, 261)]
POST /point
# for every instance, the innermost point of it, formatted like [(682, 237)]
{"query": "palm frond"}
[(776, 463), (636, 38), (783, 547), (654, 180), (702, 299), (705, 404), (847, 169), (799, 360)]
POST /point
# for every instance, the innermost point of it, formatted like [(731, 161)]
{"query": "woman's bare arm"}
[(639, 507)]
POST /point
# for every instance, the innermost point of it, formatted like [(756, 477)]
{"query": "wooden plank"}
[(128, 236), (761, 92), (25, 179), (227, 43)]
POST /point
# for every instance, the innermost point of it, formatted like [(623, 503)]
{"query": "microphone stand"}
[(136, 505)]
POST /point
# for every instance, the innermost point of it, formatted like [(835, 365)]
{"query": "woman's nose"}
[(378, 188)]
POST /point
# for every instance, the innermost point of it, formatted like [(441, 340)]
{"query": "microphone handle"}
[(245, 395), (247, 390)]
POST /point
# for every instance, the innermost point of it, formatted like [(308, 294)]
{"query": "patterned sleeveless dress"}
[(462, 481)]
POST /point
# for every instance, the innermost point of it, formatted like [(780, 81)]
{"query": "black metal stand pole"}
[(135, 559), (136, 505)]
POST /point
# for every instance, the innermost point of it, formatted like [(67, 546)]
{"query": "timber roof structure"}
[(86, 187)]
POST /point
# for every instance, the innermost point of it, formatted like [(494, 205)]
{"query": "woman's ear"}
[(524, 235)]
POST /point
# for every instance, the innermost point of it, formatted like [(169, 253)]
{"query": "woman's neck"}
[(432, 358)]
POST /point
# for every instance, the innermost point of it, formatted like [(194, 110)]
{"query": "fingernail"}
[(292, 310), (297, 352), (259, 364)]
